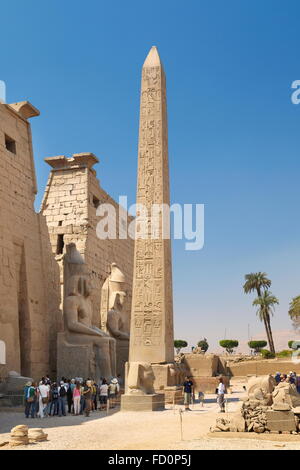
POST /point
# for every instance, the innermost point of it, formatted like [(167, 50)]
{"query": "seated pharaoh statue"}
[(83, 349), (114, 318)]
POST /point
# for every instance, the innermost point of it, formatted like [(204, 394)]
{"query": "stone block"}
[(281, 407), (173, 395), (155, 402), (280, 421), (74, 360), (202, 365)]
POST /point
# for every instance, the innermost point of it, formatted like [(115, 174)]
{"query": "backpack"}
[(55, 394), (62, 391)]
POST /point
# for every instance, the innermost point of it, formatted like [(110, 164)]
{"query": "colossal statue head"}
[(79, 284), (140, 378), (113, 294)]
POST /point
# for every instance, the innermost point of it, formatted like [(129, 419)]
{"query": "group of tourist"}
[(73, 396), (291, 378)]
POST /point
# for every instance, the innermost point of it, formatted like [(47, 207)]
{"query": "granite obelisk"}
[(152, 336)]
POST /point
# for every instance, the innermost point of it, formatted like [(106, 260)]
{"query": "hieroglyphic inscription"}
[(152, 314)]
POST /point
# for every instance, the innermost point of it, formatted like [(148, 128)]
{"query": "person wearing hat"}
[(30, 399), (113, 390)]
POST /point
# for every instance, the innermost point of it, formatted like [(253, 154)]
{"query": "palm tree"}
[(294, 311), (260, 282), (266, 306), (256, 281)]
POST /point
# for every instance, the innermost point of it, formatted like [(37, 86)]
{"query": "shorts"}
[(103, 399), (112, 395), (187, 398)]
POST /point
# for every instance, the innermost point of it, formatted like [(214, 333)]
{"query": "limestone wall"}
[(263, 367), (202, 365), (25, 299)]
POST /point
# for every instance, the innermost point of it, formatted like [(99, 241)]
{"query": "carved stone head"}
[(140, 378), (79, 285)]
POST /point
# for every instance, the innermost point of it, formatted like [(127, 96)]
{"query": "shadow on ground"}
[(10, 419)]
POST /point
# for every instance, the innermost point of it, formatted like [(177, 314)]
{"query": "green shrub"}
[(203, 345), (257, 345), (290, 343), (229, 344), (266, 354), (179, 344), (284, 353)]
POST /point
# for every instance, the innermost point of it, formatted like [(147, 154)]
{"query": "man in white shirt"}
[(43, 391), (221, 393)]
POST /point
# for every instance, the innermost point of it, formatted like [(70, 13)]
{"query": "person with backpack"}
[(54, 400), (30, 400), (113, 390), (62, 399), (43, 394)]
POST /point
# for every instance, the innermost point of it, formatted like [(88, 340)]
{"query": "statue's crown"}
[(116, 274)]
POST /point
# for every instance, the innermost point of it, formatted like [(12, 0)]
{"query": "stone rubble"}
[(37, 435), (19, 435), (266, 409)]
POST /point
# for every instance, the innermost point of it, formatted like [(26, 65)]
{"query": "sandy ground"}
[(145, 430)]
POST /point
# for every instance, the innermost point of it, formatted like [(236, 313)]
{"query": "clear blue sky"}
[(234, 135)]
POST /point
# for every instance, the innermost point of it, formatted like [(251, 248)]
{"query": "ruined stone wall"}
[(25, 300), (263, 367), (72, 196)]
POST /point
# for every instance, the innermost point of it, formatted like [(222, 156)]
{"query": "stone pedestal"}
[(74, 360), (280, 421), (155, 402), (173, 395)]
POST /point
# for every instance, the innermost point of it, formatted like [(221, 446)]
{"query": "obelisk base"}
[(155, 402)]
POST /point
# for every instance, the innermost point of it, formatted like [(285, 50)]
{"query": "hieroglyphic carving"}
[(152, 310)]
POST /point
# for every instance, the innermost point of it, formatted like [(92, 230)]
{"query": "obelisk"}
[(151, 333)]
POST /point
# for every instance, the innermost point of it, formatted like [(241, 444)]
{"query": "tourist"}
[(188, 390), (94, 391), (297, 383), (70, 388), (277, 378), (95, 396), (62, 399), (201, 398), (54, 407), (43, 395), (82, 400), (77, 393), (87, 393), (221, 393), (113, 390), (103, 394), (120, 380), (30, 400)]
